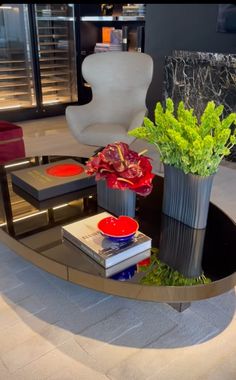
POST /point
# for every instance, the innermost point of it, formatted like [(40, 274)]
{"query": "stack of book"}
[(134, 10), (101, 47), (111, 40), (113, 256)]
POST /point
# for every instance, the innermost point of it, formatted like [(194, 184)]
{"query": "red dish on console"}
[(65, 170)]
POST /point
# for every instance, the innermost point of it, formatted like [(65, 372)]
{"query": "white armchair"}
[(119, 82)]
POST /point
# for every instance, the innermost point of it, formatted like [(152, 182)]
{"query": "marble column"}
[(197, 77)]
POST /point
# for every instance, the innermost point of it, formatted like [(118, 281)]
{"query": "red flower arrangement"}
[(122, 168)]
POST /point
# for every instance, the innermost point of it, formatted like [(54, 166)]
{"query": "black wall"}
[(181, 27)]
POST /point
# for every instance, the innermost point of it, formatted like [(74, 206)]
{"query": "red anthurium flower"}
[(122, 168)]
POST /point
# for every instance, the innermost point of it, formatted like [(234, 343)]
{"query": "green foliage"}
[(184, 142), (159, 273)]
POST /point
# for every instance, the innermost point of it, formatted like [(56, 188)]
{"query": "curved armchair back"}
[(119, 82)]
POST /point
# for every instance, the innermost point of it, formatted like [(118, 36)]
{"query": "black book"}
[(140, 39), (40, 184), (125, 38)]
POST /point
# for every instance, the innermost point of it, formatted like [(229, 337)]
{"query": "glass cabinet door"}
[(16, 74), (55, 25)]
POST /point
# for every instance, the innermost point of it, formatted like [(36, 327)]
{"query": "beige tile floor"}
[(51, 329)]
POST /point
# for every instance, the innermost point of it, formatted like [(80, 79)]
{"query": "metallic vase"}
[(186, 196), (118, 202)]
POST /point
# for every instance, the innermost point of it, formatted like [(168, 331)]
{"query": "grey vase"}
[(118, 202), (186, 196)]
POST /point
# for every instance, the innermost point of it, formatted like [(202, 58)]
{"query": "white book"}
[(86, 236)]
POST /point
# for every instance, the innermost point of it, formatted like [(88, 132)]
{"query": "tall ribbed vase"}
[(186, 196), (118, 202)]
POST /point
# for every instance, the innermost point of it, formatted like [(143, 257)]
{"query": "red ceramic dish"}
[(65, 170), (118, 227)]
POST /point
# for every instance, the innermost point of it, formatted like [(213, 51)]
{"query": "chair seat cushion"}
[(11, 142), (11, 151), (9, 131), (103, 134)]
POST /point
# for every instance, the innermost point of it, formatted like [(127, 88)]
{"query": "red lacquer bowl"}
[(65, 170), (120, 227)]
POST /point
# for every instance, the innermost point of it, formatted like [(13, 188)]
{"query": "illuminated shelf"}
[(7, 94), (4, 77), (51, 74), (54, 80), (48, 43), (55, 18), (9, 69), (112, 18), (52, 89), (53, 59), (52, 51), (45, 67), (52, 27), (3, 62), (52, 35), (3, 85)]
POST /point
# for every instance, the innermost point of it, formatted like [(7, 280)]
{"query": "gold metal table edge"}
[(121, 288)]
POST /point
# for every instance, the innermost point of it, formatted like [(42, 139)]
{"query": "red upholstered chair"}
[(11, 142)]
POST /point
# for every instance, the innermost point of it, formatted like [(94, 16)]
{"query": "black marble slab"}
[(198, 77)]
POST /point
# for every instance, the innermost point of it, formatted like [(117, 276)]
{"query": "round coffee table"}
[(33, 229)]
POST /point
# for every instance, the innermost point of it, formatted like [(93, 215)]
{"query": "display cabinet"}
[(42, 47), (38, 60), (95, 19), (56, 51), (109, 27), (16, 75)]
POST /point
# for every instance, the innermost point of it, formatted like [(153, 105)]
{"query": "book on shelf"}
[(134, 10), (116, 37), (97, 268), (43, 182), (111, 35), (85, 235), (125, 38), (106, 34), (140, 39), (133, 38), (106, 47)]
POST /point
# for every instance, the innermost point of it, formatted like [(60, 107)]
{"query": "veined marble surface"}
[(197, 77), (213, 59)]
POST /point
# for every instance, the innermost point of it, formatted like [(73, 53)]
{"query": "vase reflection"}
[(181, 247)]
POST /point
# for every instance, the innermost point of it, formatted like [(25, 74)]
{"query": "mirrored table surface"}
[(33, 229)]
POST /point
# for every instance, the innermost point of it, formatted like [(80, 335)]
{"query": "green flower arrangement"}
[(193, 146)]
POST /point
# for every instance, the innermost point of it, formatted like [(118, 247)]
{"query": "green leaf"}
[(170, 105)]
